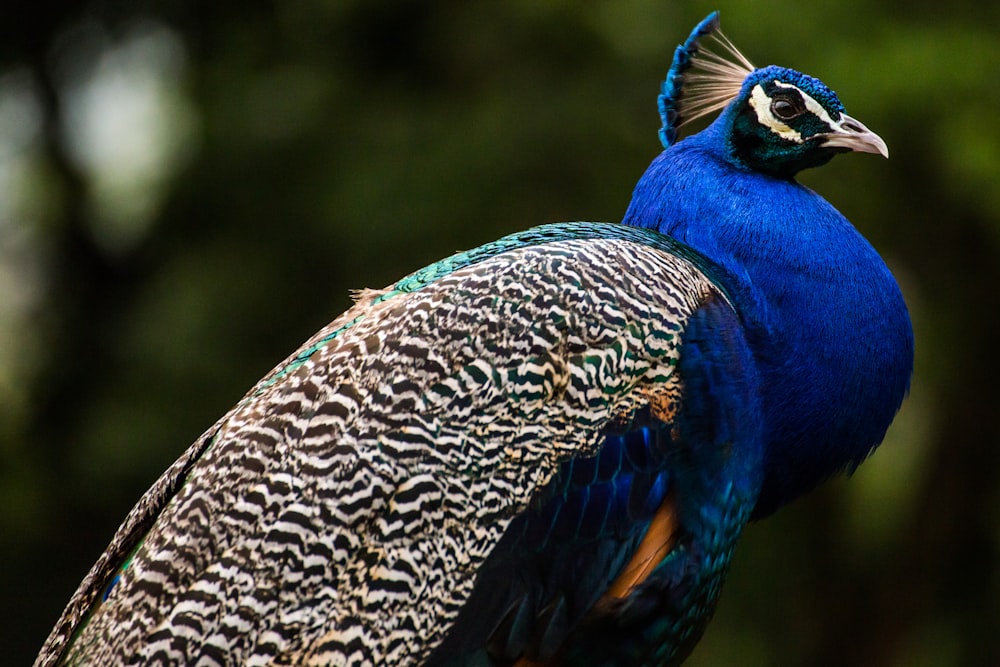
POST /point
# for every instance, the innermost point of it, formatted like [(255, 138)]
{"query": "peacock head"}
[(775, 120)]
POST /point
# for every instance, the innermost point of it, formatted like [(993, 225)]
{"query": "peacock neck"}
[(825, 316)]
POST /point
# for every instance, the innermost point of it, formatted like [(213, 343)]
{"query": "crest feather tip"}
[(700, 81)]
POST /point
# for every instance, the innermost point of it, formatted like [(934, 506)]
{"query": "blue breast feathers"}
[(828, 324)]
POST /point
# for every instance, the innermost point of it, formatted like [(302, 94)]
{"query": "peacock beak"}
[(853, 135)]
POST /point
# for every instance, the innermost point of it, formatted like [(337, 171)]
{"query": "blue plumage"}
[(543, 450), (831, 331)]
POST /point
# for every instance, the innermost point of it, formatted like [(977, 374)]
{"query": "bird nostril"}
[(852, 126)]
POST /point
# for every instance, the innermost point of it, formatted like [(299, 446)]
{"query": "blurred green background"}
[(188, 190)]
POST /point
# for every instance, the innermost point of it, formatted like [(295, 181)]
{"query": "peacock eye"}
[(785, 109)]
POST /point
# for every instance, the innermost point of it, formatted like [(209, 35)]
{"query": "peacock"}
[(541, 451)]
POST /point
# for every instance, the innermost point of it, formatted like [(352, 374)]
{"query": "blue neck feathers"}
[(827, 321)]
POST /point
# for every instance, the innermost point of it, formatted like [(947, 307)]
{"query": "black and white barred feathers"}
[(340, 513)]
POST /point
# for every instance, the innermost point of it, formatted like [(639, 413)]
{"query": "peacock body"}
[(542, 450)]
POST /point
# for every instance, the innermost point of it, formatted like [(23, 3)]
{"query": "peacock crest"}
[(700, 80)]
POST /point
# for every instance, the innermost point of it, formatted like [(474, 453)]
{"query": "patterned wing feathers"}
[(340, 513)]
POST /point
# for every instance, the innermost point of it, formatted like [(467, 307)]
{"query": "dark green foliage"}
[(332, 146)]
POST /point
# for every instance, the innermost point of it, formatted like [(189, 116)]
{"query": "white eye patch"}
[(761, 104)]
